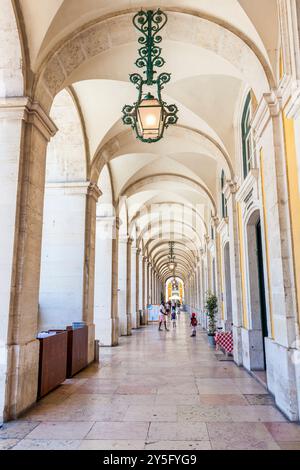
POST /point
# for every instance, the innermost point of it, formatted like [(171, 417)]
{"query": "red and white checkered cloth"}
[(225, 341)]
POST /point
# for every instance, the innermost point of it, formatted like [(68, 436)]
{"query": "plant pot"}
[(211, 340)]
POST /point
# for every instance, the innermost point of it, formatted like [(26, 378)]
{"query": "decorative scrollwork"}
[(136, 79), (170, 112), (150, 23), (159, 19), (162, 79), (129, 115)]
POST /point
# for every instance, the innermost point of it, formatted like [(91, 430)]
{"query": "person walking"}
[(162, 317), (194, 323)]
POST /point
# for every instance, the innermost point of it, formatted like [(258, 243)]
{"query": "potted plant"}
[(211, 307)]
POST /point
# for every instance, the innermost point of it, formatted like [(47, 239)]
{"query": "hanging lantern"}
[(172, 262), (150, 115)]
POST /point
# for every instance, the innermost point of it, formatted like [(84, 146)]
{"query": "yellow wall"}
[(242, 265), (281, 69), (169, 291), (294, 196), (266, 238)]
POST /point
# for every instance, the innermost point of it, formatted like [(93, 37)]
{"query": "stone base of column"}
[(21, 379), (115, 331), (252, 347), (237, 345), (138, 319), (283, 377), (91, 343), (146, 316), (129, 324), (123, 325)]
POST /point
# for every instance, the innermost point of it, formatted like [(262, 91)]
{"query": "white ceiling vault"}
[(216, 50)]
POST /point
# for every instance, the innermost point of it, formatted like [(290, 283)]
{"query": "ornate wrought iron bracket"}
[(150, 23)]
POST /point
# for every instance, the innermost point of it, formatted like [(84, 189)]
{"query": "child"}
[(194, 323), (173, 317)]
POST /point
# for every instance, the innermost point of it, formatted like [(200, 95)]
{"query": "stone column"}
[(133, 287), (141, 284), (236, 281), (114, 302), (145, 294), (25, 131), (104, 280), (137, 288), (61, 285), (122, 286), (149, 283), (93, 195), (219, 292), (129, 309), (154, 286)]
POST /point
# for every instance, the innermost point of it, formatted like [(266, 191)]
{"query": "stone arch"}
[(114, 148), (195, 27), (12, 65), (191, 212), (104, 259), (164, 254), (140, 184), (158, 225)]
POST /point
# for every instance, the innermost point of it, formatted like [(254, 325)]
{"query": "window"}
[(224, 200), (247, 137)]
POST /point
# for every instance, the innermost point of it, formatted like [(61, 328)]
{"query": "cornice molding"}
[(231, 187), (69, 187), (29, 111), (250, 182), (94, 191)]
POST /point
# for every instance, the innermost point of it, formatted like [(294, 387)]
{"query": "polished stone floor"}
[(156, 390)]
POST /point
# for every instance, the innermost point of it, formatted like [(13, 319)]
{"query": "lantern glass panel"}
[(150, 118)]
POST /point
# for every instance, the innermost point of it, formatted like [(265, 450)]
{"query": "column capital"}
[(269, 106), (138, 251), (215, 220), (29, 111), (207, 239), (231, 187), (94, 191)]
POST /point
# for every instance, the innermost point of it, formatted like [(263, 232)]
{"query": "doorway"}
[(262, 292), (258, 324)]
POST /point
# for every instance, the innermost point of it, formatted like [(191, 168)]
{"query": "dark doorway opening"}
[(261, 283)]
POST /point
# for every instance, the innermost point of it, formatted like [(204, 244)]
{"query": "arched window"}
[(247, 137), (224, 200)]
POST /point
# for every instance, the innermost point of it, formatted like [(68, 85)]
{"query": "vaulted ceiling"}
[(216, 50)]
